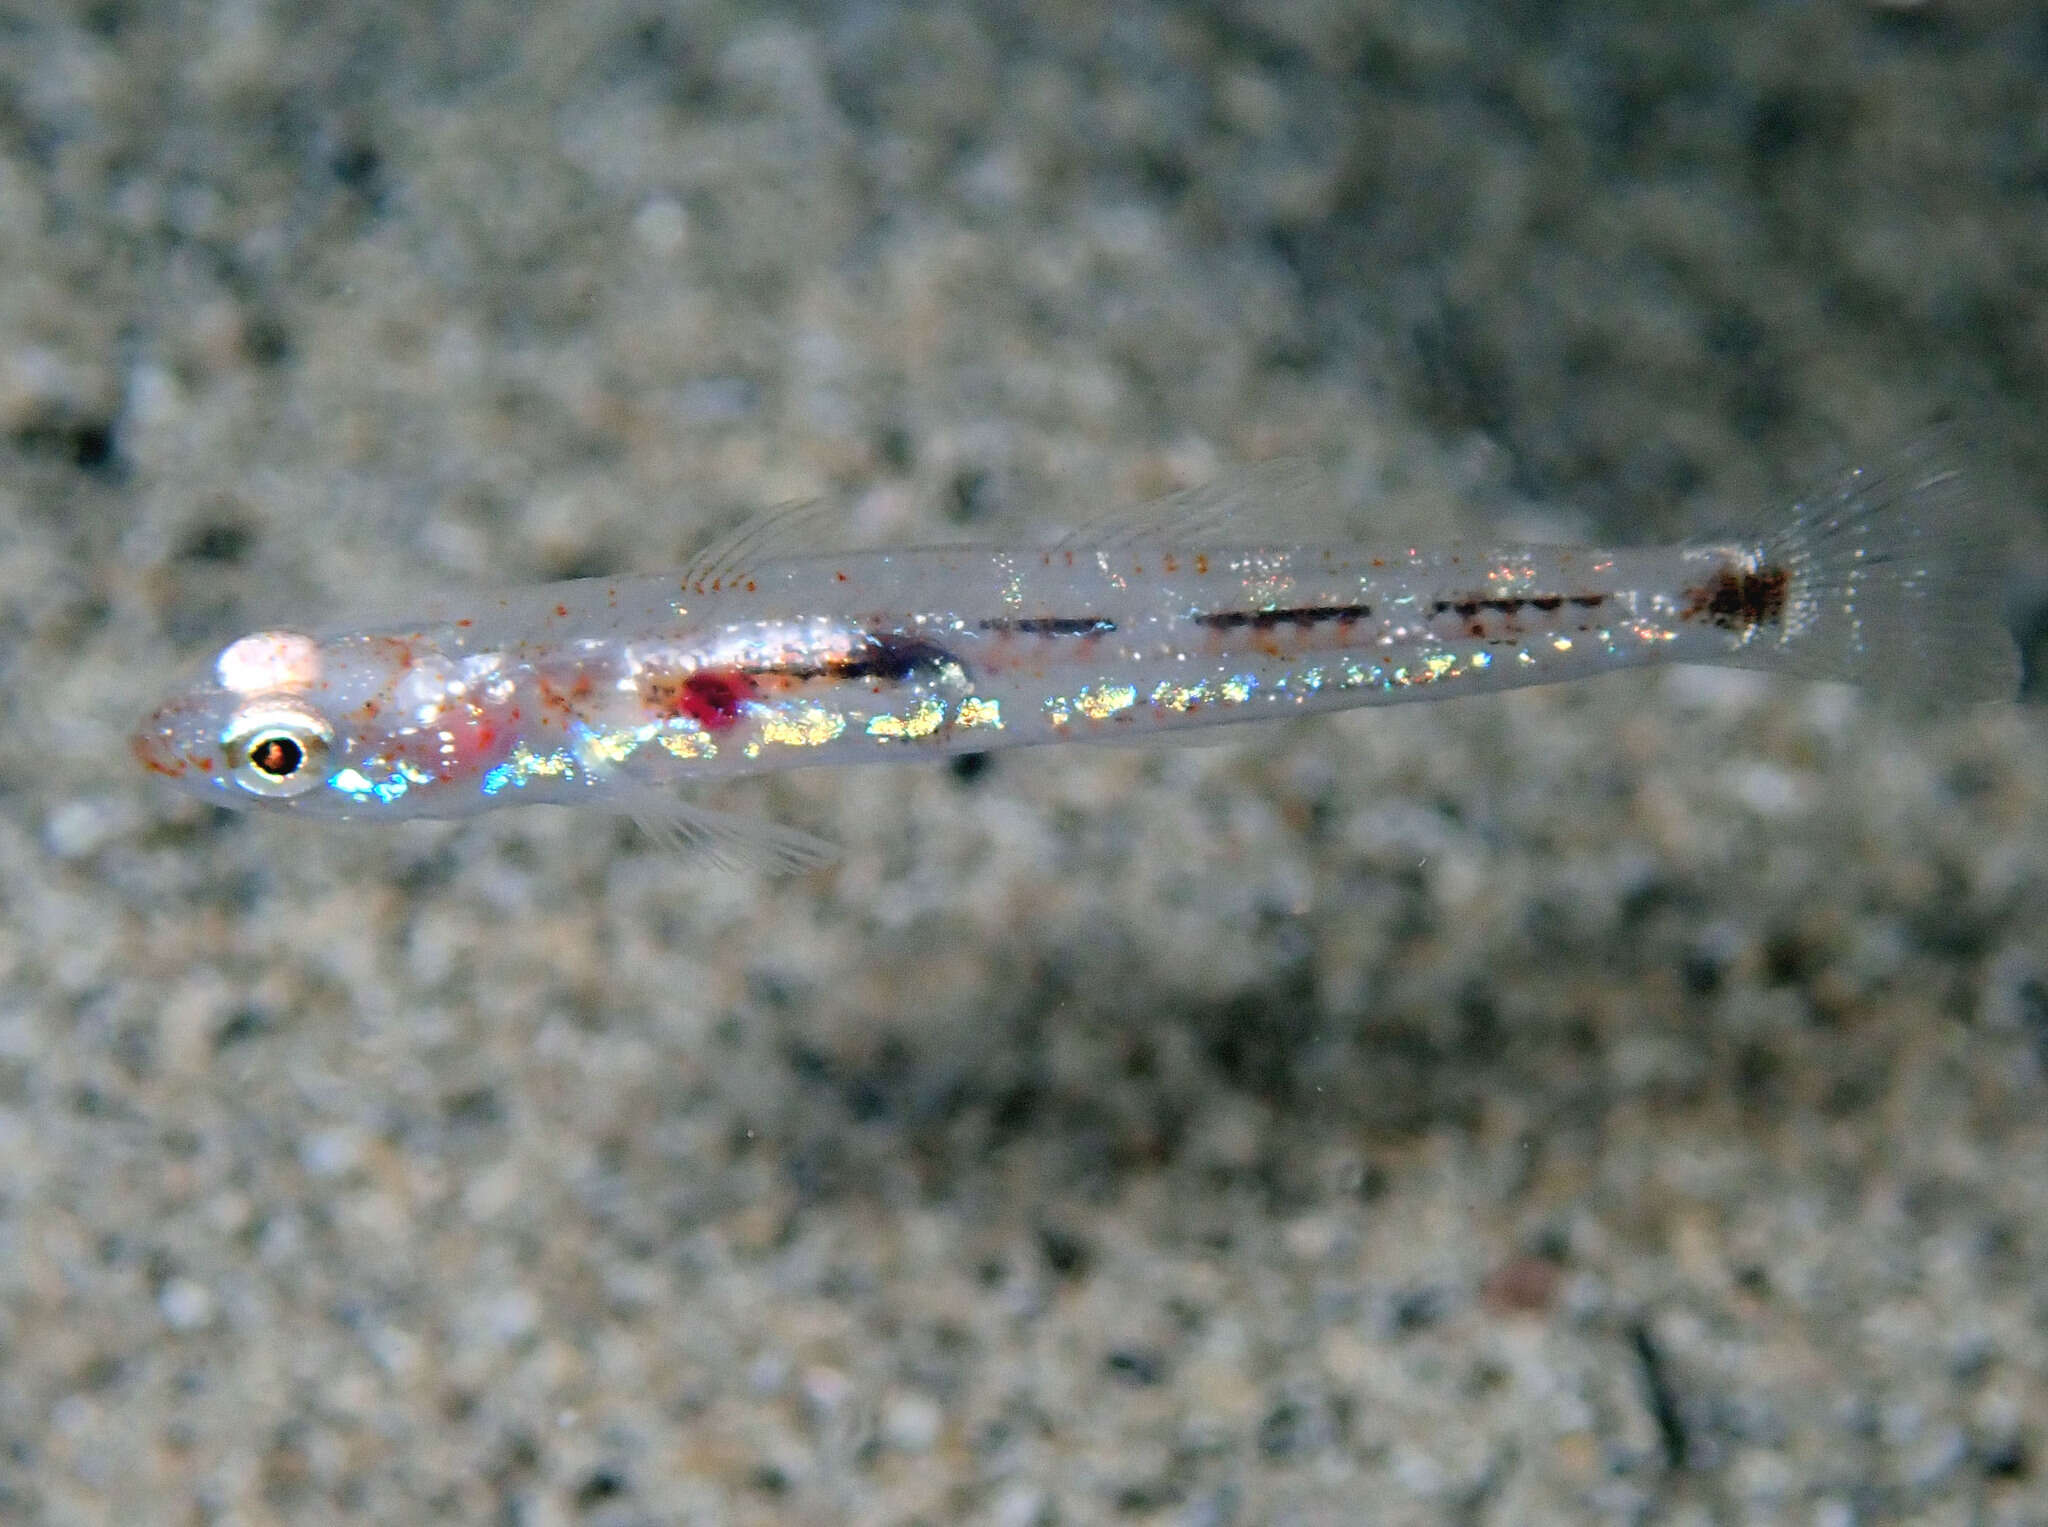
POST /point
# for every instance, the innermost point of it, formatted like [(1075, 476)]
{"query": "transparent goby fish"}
[(1210, 607)]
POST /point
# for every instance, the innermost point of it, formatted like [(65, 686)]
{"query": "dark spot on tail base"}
[(1737, 598)]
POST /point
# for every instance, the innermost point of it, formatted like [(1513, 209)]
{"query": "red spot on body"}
[(562, 610), (713, 699), (465, 622), (1202, 566), (840, 576)]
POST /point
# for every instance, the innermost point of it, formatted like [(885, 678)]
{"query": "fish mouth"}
[(155, 743)]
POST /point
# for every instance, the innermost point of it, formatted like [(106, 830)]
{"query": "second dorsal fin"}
[(1284, 501)]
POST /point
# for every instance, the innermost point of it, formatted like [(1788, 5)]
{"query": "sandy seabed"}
[(1620, 1103)]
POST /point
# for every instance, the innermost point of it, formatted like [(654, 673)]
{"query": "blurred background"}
[(1618, 1103)]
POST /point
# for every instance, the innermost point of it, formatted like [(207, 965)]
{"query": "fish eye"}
[(277, 748)]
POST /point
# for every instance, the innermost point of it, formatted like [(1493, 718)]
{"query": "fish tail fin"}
[(1888, 577)]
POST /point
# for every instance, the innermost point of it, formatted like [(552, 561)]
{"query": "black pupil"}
[(277, 756)]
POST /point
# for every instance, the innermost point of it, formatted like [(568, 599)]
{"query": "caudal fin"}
[(1891, 579)]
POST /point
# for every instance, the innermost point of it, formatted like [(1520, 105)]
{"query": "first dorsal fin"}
[(804, 528), (1282, 502)]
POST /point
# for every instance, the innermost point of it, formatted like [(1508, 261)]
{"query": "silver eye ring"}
[(277, 748)]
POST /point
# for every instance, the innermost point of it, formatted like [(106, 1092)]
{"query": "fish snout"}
[(162, 743)]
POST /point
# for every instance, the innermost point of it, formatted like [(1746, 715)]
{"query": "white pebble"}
[(513, 1315), (331, 1153), (185, 1305), (911, 1422)]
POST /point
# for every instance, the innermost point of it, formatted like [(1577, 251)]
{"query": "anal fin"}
[(730, 841)]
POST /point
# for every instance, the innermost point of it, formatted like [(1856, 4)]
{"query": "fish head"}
[(345, 726)]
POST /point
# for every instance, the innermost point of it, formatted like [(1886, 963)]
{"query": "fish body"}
[(770, 654)]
